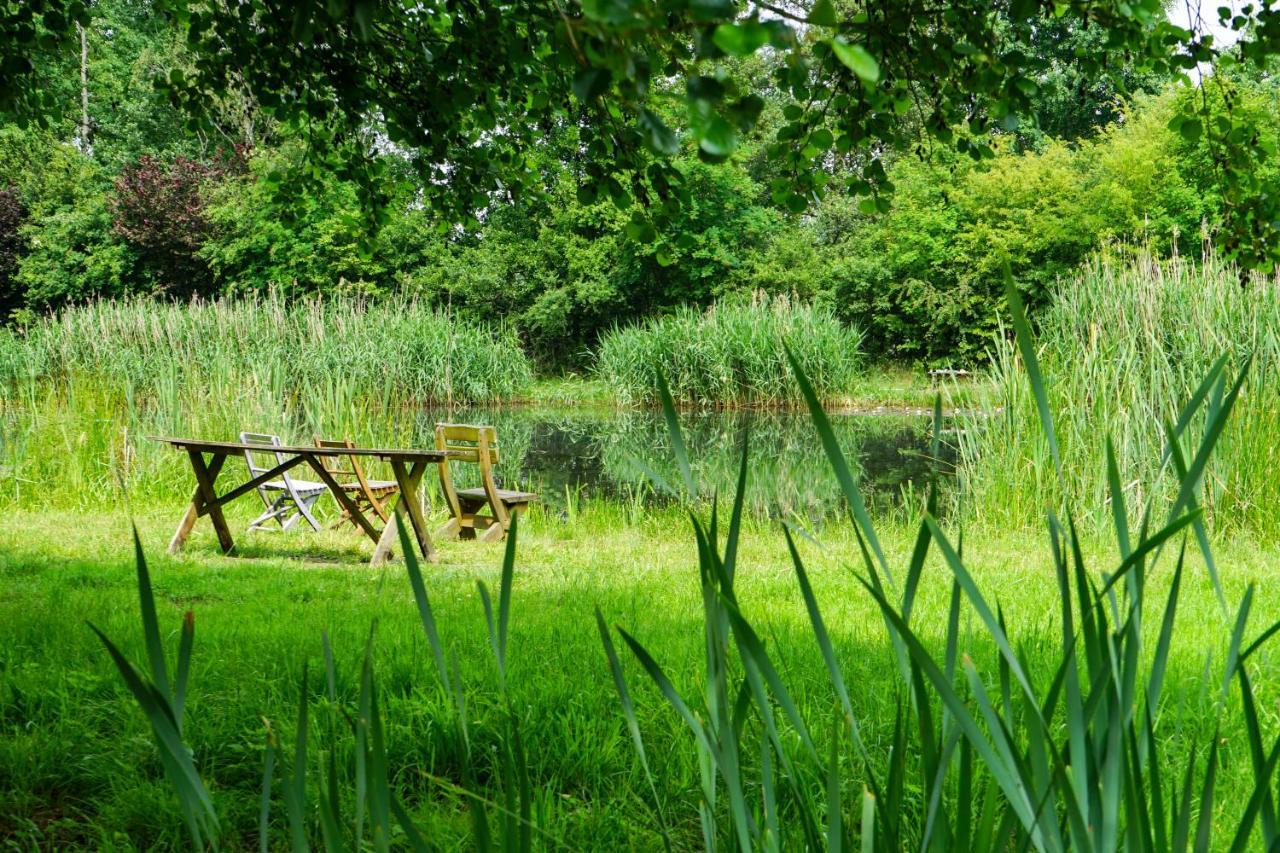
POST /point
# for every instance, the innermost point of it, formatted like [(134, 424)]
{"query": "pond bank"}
[(888, 389)]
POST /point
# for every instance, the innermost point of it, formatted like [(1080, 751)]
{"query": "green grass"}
[(1048, 688), (77, 767), (731, 355)]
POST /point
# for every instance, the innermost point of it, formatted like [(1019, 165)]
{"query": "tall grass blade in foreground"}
[(163, 703)]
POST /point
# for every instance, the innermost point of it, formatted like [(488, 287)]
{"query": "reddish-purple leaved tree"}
[(159, 209), (12, 248)]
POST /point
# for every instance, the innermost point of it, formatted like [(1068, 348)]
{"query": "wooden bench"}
[(477, 445)]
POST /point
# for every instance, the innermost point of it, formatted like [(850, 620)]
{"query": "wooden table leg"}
[(387, 541), (205, 477), (408, 482), (344, 500), (193, 509), (406, 504)]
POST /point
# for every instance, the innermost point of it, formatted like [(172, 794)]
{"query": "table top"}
[(406, 454)]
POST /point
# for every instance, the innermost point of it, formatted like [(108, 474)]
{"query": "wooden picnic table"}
[(408, 465)]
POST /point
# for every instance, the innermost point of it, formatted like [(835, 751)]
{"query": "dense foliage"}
[(12, 214), (159, 210), (130, 198), (469, 93)]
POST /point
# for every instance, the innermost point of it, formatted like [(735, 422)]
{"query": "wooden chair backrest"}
[(340, 466), (468, 443)]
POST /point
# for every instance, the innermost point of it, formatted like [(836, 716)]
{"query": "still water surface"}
[(581, 455)]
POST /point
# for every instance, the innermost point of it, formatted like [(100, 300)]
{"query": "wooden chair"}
[(476, 444), (367, 494), (286, 499)]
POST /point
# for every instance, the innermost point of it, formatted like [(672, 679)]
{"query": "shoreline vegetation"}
[(1124, 345), (406, 353), (86, 385)]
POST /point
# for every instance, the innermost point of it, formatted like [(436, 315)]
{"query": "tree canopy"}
[(470, 91)]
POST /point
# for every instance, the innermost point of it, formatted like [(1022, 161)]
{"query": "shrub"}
[(71, 252), (316, 242), (926, 280), (731, 355)]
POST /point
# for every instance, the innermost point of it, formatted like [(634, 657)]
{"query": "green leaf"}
[(425, 613), (657, 136), (1191, 129), (264, 808), (677, 437), (717, 137), (633, 725), (868, 821), (856, 58), (608, 11), (591, 83), (1026, 346), (844, 475), (741, 39), (823, 14)]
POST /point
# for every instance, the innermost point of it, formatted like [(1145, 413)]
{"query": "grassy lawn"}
[(77, 767)]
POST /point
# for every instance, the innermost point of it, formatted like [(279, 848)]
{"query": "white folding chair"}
[(286, 499)]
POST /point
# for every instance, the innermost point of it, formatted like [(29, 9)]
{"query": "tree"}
[(12, 247), (468, 89), (1070, 104), (159, 209)]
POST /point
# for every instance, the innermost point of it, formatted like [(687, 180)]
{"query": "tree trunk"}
[(84, 143)]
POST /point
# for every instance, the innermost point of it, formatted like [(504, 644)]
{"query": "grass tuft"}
[(732, 355)]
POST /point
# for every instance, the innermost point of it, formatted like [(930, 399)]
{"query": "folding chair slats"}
[(285, 502)]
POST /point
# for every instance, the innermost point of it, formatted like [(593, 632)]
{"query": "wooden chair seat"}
[(302, 487), (375, 486), (367, 494), (507, 496)]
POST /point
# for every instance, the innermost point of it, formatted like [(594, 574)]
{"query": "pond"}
[(574, 455), (93, 441)]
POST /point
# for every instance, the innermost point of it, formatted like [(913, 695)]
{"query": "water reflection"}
[(576, 455)]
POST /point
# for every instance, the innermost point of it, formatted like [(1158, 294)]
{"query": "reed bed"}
[(1125, 344), (396, 349), (81, 390), (732, 355)]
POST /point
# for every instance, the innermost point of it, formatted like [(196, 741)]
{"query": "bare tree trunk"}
[(83, 142)]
